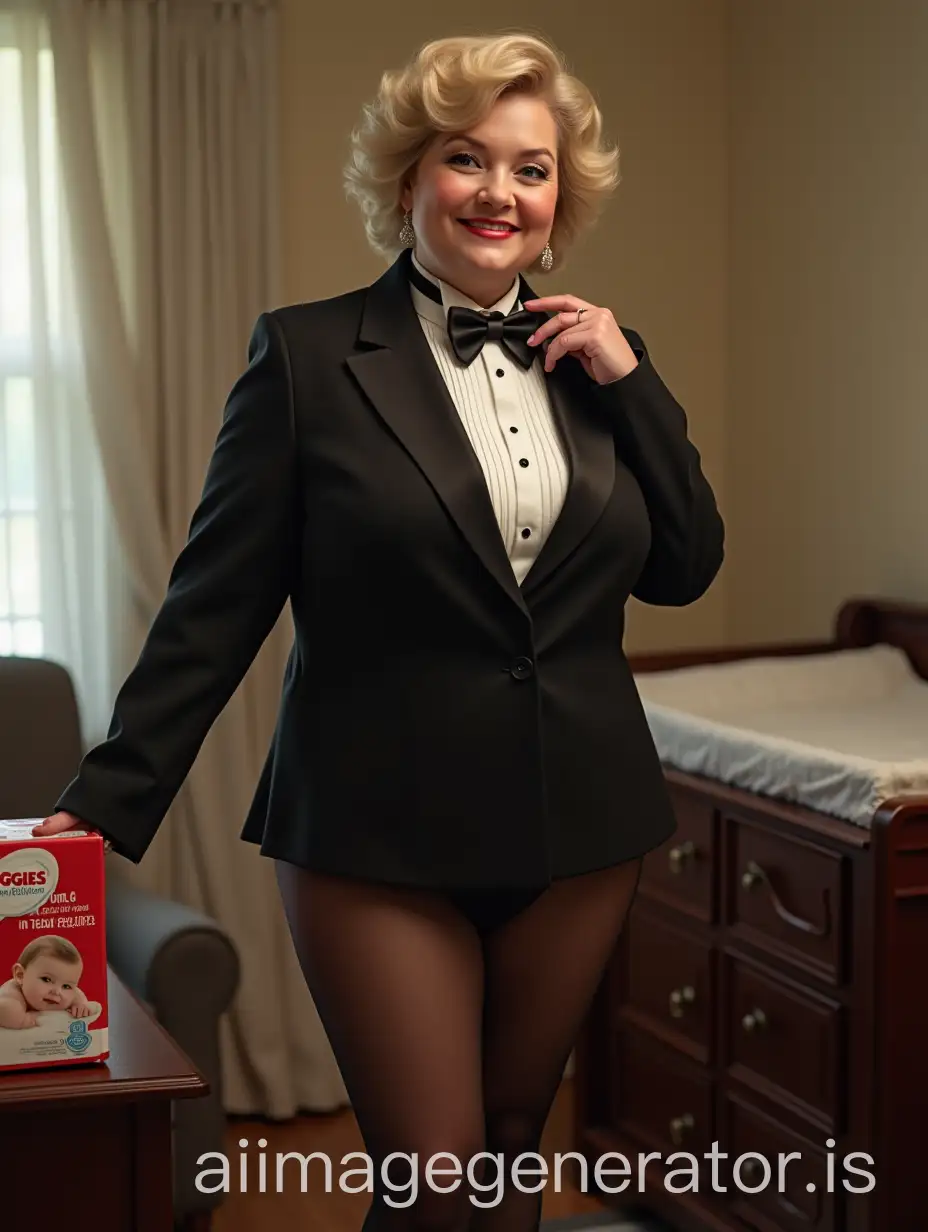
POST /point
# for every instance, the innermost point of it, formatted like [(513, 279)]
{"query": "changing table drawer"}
[(669, 984), (787, 896), (784, 1040), (683, 872), (660, 1099), (798, 1196)]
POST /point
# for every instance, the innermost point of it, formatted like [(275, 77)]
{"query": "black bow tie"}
[(469, 330)]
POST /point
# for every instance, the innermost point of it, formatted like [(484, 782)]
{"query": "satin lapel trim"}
[(590, 447), (406, 388)]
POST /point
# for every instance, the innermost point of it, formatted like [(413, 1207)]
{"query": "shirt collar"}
[(452, 298)]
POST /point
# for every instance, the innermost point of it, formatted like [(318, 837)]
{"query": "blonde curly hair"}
[(453, 83)]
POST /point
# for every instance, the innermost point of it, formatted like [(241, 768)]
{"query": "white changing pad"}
[(839, 732)]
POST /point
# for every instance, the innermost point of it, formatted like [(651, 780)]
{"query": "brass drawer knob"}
[(679, 855), (679, 998), (754, 1020), (752, 875), (679, 1126)]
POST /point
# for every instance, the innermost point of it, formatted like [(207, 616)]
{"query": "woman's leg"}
[(397, 979), (542, 972)]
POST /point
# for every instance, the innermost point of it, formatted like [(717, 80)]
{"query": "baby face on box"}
[(46, 977)]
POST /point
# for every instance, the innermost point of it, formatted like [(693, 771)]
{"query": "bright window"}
[(29, 319)]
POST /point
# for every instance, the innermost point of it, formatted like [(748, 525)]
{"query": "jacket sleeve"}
[(226, 591), (687, 531)]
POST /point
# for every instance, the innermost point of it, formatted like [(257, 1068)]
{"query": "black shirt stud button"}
[(523, 461)]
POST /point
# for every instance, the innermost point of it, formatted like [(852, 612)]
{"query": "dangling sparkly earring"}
[(407, 235), (547, 258)]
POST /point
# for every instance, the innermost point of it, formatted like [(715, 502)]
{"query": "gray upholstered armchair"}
[(176, 960)]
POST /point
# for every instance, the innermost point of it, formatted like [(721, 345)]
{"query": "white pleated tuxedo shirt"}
[(507, 415)]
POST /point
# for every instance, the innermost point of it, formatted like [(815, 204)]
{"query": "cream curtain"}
[(59, 555), (167, 130)]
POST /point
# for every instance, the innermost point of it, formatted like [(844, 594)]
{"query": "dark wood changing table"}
[(771, 993)]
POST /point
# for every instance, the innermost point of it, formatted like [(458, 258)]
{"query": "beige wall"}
[(827, 468), (659, 257)]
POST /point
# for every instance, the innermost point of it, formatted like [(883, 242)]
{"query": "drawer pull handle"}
[(679, 1125), (754, 874), (680, 997), (679, 855), (756, 1018)]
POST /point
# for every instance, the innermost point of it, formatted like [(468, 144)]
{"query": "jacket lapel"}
[(590, 450), (403, 382), (406, 388), (590, 447)]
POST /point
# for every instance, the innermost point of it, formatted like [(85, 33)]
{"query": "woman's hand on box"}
[(61, 821)]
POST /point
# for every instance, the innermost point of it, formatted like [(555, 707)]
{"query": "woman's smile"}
[(487, 229)]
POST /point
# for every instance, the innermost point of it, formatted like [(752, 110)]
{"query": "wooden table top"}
[(144, 1063)]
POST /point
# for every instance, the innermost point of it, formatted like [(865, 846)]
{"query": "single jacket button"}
[(522, 668)]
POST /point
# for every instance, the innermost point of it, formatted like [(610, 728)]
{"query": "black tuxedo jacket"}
[(439, 724)]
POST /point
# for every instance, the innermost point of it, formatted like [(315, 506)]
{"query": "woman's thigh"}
[(542, 971), (396, 976)]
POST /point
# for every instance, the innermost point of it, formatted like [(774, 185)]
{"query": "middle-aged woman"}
[(457, 486)]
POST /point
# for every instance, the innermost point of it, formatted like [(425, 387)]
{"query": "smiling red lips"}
[(487, 228)]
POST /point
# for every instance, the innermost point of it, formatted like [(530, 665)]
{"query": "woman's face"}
[(503, 171)]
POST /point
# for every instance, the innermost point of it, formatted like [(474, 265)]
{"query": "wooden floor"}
[(336, 1134)]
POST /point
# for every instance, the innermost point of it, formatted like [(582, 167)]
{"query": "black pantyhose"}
[(452, 1041)]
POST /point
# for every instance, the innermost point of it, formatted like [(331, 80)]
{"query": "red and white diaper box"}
[(53, 1002)]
